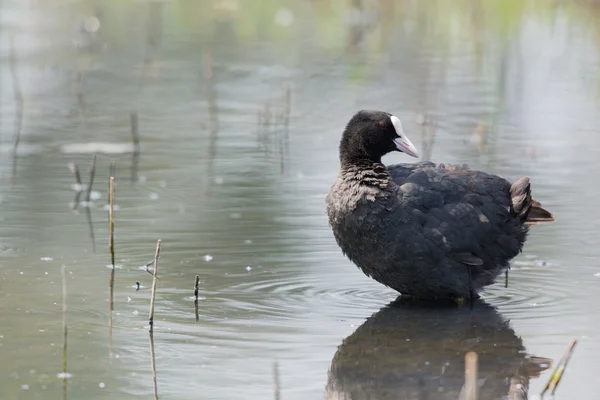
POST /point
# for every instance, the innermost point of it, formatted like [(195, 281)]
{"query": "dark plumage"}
[(427, 230)]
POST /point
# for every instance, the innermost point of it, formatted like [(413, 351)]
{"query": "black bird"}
[(425, 230)]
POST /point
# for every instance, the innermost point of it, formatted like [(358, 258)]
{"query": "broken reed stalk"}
[(75, 171), (135, 138), (111, 220), (151, 320), (470, 376), (154, 273), (65, 332), (12, 64), (196, 289), (276, 380), (111, 239), (135, 135), (559, 370), (88, 214), (286, 120), (92, 175), (208, 77), (153, 364), (79, 188)]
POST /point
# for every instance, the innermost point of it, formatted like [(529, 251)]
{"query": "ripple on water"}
[(535, 290), (291, 297)]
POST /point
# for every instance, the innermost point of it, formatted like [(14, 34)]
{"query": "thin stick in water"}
[(470, 376), (135, 135), (154, 273), (111, 239), (79, 187), (88, 214), (153, 365), (135, 138), (276, 380), (12, 62), (151, 320), (92, 175), (75, 171), (111, 220), (196, 288), (65, 332), (559, 370)]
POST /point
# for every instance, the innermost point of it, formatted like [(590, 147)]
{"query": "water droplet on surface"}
[(248, 241), (153, 196), (135, 312), (101, 385), (248, 268), (63, 375), (207, 258), (46, 258), (219, 180), (25, 387)]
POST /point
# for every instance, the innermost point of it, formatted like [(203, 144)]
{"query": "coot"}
[(425, 230)]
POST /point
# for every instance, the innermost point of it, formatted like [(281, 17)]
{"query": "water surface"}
[(508, 87)]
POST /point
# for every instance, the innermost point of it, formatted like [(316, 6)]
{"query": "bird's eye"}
[(382, 125)]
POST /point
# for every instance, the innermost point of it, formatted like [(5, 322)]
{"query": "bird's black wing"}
[(459, 213)]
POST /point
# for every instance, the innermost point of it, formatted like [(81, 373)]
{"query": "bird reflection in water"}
[(415, 350)]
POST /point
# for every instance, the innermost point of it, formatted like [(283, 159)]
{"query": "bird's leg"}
[(471, 292)]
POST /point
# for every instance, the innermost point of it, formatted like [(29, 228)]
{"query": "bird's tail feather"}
[(526, 208)]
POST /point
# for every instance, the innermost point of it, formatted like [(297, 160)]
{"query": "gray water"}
[(509, 87)]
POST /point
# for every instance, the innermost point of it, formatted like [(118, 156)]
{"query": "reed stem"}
[(65, 330), (154, 273), (471, 376), (111, 230)]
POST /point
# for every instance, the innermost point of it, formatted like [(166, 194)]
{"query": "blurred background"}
[(223, 119)]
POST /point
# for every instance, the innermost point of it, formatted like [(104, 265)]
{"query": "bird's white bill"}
[(402, 142), (406, 146)]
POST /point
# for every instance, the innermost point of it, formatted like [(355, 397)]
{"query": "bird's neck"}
[(366, 171)]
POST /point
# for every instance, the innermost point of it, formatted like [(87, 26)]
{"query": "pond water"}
[(240, 106)]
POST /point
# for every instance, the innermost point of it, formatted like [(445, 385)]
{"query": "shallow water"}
[(242, 206)]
